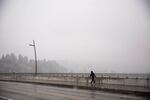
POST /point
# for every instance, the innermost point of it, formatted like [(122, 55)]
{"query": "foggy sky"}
[(83, 35)]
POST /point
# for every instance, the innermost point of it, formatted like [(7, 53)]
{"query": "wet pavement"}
[(24, 91)]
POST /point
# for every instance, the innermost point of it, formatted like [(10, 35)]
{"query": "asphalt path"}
[(25, 91)]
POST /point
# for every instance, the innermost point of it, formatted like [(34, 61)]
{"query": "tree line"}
[(10, 63)]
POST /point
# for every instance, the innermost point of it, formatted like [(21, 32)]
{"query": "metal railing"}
[(142, 80)]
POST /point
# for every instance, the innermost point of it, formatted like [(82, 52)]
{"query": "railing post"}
[(87, 81), (77, 80), (99, 79), (147, 82), (15, 77), (102, 79)]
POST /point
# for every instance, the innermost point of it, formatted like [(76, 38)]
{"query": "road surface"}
[(24, 91)]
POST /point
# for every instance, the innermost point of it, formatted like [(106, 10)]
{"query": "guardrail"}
[(140, 80)]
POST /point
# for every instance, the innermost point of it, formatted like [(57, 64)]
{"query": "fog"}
[(81, 35)]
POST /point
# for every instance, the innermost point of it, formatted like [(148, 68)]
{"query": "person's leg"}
[(92, 81)]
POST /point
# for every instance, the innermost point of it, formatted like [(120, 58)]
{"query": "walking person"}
[(93, 76)]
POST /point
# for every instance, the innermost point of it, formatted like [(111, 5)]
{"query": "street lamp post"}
[(33, 45)]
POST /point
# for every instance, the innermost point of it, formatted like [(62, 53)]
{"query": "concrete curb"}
[(138, 93)]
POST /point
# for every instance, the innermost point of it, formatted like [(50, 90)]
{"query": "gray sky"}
[(84, 35)]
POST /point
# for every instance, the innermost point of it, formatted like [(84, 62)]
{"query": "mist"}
[(10, 63), (81, 35)]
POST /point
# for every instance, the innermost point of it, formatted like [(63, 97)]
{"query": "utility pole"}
[(33, 45)]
